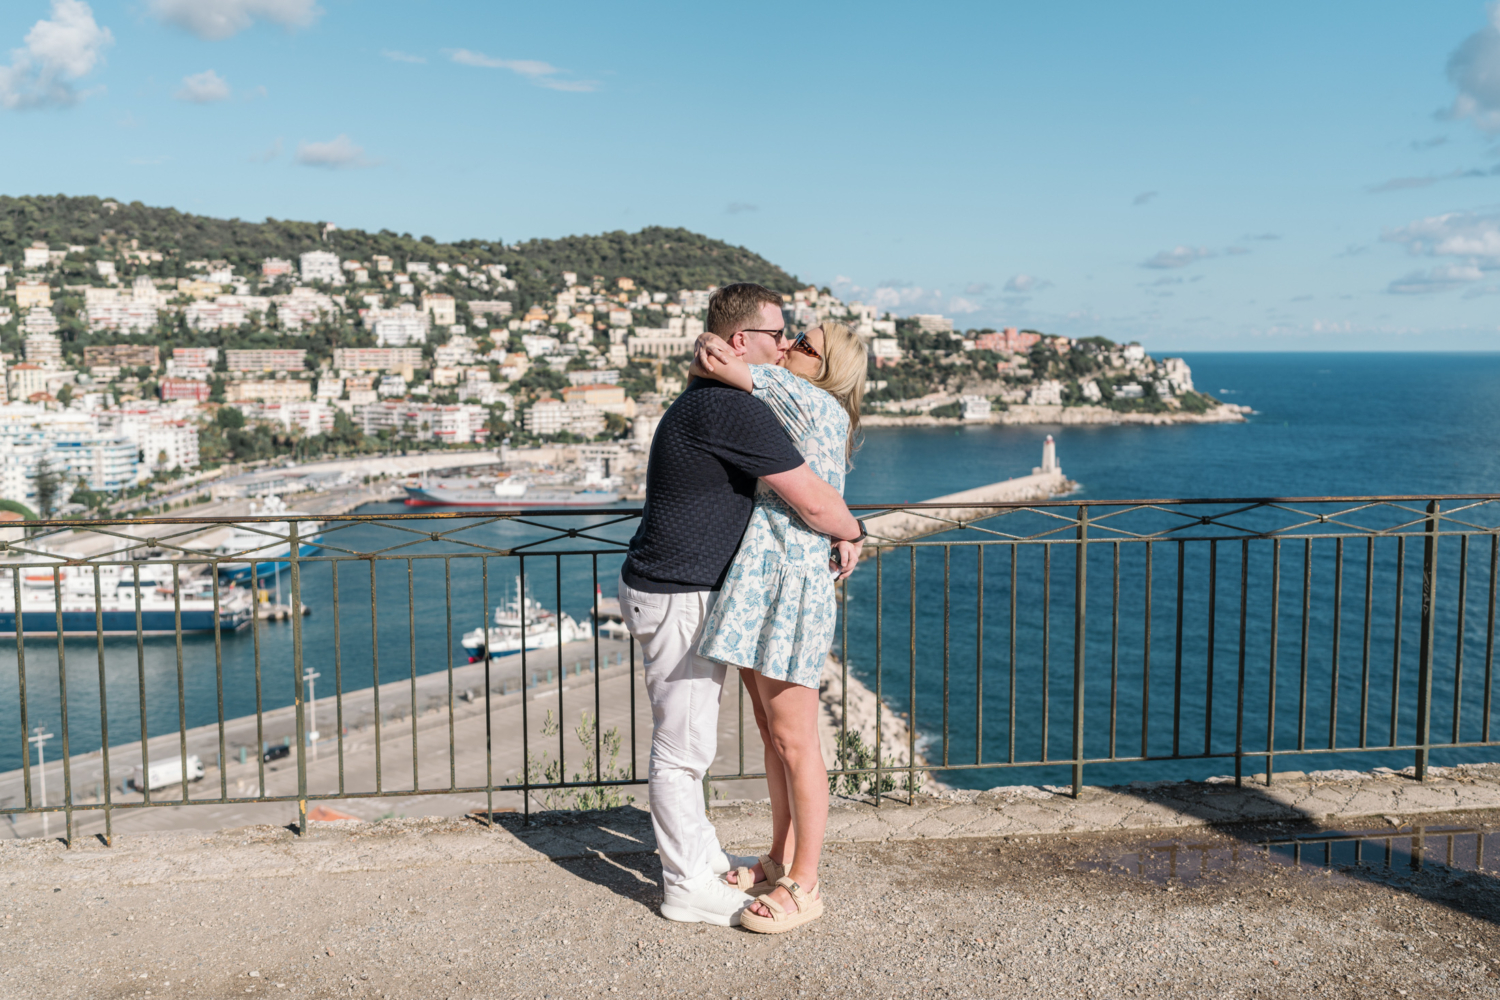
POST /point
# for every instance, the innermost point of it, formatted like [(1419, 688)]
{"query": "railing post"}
[(1429, 628), (295, 550), (1080, 619)]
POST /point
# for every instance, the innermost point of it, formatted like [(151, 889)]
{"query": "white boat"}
[(542, 629), (260, 542)]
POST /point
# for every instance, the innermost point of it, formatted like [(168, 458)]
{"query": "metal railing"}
[(1067, 634)]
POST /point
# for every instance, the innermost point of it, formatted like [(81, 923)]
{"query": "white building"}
[(452, 424), (106, 268), (1047, 392), (44, 349), (226, 311), (304, 306), (1178, 375), (975, 407), (35, 256), (398, 327), (537, 345), (116, 312), (309, 416), (551, 416), (1090, 390), (25, 380), (275, 267), (39, 319), (322, 265), (170, 444)]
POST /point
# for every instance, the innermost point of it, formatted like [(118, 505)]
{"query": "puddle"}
[(1384, 853)]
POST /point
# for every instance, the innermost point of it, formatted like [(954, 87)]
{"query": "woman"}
[(774, 618)]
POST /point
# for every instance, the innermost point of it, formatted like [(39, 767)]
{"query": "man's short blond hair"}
[(737, 307)]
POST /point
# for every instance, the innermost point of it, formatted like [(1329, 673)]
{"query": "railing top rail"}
[(510, 513)]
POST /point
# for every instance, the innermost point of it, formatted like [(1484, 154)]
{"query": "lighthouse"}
[(1049, 466)]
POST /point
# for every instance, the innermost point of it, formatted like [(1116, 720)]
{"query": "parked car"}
[(276, 753)]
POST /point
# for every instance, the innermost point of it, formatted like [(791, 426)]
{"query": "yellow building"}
[(33, 293), (608, 398), (198, 288)]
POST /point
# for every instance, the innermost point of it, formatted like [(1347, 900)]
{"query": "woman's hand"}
[(711, 353), (845, 557)]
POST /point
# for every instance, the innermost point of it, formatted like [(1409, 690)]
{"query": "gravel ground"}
[(1034, 917)]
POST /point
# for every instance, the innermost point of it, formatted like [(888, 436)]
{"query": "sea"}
[(1323, 425)]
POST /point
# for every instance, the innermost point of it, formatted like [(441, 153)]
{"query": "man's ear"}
[(736, 342)]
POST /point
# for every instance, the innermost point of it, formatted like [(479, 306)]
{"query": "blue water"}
[(1326, 424)]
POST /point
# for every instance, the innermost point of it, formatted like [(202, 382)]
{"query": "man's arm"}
[(818, 504)]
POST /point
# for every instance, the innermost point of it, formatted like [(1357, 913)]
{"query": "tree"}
[(47, 484)]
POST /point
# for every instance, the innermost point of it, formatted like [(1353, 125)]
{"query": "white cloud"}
[(1438, 279), (337, 153), (203, 88), (1474, 68), (395, 55), (1027, 283), (218, 19), (540, 73), (1177, 257), (57, 53), (1456, 234)]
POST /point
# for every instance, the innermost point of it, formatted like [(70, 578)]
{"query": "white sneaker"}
[(722, 863), (705, 899)]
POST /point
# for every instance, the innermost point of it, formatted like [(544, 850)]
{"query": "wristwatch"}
[(863, 533)]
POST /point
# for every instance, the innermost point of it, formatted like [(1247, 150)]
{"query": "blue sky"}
[(1271, 176)]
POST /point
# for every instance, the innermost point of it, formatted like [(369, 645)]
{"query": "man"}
[(711, 447)]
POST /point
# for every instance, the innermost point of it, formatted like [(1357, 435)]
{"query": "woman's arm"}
[(713, 359)]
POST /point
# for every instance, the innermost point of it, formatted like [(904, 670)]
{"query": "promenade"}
[(923, 900)]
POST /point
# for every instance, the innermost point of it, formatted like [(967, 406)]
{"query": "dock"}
[(1046, 481)]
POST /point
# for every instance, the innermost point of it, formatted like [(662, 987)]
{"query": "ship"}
[(123, 594), (480, 493), (266, 544), (542, 628)]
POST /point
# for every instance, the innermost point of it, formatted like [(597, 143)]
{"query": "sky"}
[(1270, 176)]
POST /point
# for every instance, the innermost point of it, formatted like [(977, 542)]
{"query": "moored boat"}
[(523, 621)]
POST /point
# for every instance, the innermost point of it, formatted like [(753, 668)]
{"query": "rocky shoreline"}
[(1224, 413), (894, 733)]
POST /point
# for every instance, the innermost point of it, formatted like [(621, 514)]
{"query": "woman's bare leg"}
[(783, 842), (792, 717)]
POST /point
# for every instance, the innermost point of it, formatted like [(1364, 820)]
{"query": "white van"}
[(166, 772)]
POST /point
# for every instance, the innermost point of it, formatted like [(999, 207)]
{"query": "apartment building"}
[(302, 307), (553, 416), (172, 388), (376, 359), (321, 265), (275, 267), (43, 349), (272, 360), (123, 355), (268, 391)]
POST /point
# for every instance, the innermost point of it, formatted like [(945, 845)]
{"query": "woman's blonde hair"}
[(842, 375)]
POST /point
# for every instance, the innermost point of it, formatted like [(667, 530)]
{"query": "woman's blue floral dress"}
[(776, 612)]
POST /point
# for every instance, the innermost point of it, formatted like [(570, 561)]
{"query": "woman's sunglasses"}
[(801, 344)]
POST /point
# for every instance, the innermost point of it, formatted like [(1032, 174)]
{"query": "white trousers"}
[(684, 689)]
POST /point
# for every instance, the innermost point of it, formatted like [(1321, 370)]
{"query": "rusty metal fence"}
[(1070, 634)]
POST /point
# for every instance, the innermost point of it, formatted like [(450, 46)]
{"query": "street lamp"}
[(312, 708), (40, 739)]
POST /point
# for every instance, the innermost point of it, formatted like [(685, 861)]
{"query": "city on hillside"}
[(128, 364)]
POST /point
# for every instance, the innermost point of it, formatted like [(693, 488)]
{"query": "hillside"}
[(659, 258)]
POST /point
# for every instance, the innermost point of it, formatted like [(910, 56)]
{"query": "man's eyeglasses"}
[(778, 333), (801, 344)]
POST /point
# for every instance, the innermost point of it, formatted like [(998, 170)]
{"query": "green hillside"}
[(660, 259)]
